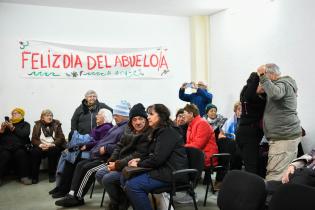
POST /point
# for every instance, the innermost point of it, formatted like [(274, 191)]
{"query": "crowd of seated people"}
[(133, 144), (146, 138), (78, 149)]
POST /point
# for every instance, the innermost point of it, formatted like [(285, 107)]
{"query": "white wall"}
[(91, 28), (279, 31)]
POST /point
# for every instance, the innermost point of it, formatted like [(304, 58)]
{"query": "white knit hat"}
[(122, 109)]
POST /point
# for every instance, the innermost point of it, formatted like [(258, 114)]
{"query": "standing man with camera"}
[(200, 98)]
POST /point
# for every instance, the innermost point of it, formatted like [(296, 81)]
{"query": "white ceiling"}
[(157, 7)]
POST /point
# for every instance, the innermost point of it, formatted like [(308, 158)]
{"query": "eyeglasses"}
[(180, 115)]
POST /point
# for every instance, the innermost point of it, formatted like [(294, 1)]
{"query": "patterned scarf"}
[(217, 122), (47, 129)]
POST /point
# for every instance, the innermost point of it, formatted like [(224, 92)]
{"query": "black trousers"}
[(21, 160), (248, 138), (84, 175), (67, 175), (53, 155)]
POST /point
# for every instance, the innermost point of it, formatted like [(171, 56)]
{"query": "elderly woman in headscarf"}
[(48, 140), (14, 138)]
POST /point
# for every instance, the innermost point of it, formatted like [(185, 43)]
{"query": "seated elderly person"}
[(179, 117), (133, 144), (227, 143), (214, 119), (48, 140), (85, 170), (14, 136), (166, 154), (78, 150), (301, 170), (229, 127), (199, 135), (180, 122)]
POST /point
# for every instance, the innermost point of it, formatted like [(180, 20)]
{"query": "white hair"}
[(90, 92), (108, 116), (273, 69)]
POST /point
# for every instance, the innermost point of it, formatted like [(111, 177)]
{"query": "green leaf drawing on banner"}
[(23, 45), (41, 73)]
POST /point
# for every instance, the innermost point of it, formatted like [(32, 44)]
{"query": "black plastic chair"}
[(241, 190), (293, 197), (92, 190), (224, 162), (196, 166)]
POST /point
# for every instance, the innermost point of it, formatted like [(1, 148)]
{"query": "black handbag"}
[(128, 172)]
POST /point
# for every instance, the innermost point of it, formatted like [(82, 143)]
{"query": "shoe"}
[(56, 189), (34, 181), (185, 200), (52, 178), (69, 201), (1, 182), (217, 186), (58, 194), (26, 181)]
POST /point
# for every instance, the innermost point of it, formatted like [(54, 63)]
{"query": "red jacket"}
[(200, 135)]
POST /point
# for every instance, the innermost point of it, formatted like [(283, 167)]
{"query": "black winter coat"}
[(83, 119), (166, 154), (253, 104), (18, 138), (130, 146)]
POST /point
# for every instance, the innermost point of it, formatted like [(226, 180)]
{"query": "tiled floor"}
[(15, 196)]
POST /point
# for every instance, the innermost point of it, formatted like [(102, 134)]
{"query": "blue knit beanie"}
[(122, 109)]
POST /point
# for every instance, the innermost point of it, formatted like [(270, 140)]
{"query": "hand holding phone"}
[(189, 85), (6, 118)]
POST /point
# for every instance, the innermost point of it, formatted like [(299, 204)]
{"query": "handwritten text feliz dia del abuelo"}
[(48, 60)]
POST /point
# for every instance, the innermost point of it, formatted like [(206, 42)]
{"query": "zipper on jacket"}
[(245, 106), (91, 120)]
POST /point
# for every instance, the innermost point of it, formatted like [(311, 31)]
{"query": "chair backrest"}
[(241, 190), (292, 197), (224, 161), (196, 159)]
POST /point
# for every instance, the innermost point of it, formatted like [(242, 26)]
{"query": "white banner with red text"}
[(40, 59)]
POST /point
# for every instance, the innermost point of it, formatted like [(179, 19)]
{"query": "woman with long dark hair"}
[(166, 154)]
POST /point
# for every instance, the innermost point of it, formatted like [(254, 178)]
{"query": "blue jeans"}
[(100, 174), (138, 188)]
